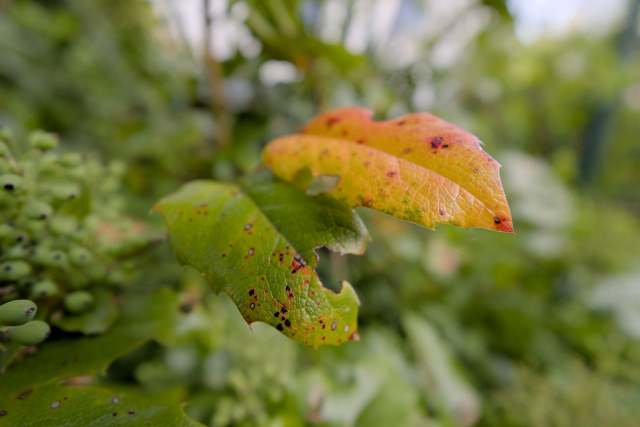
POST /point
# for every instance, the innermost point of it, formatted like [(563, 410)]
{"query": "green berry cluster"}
[(63, 237)]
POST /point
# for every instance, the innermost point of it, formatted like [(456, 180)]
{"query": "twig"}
[(216, 79)]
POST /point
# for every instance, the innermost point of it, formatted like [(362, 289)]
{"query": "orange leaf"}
[(417, 168)]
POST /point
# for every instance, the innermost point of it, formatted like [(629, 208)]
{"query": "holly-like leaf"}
[(30, 393), (417, 168), (142, 318), (57, 405), (256, 243)]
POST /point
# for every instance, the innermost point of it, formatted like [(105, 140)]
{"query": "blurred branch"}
[(216, 80), (601, 119)]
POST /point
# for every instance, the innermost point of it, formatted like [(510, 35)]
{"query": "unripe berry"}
[(17, 312), (78, 281), (65, 191), (57, 258), (78, 173), (43, 140), (117, 168), (48, 163), (6, 135), (17, 236), (111, 185), (14, 270), (31, 333), (70, 160), (36, 209), (4, 149), (51, 258), (78, 302), (5, 231), (91, 221), (80, 256), (35, 226), (19, 251), (10, 182), (96, 273), (63, 225), (44, 289), (5, 167)]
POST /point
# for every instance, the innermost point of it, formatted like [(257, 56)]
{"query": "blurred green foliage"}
[(536, 329)]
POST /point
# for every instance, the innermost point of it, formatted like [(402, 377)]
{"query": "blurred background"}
[(458, 328)]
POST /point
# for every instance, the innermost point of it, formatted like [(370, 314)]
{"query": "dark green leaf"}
[(142, 319), (57, 405)]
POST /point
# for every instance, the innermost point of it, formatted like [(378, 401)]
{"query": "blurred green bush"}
[(458, 327)]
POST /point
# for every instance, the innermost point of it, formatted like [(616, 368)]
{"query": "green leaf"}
[(440, 370), (142, 319), (256, 243), (57, 405), (30, 393)]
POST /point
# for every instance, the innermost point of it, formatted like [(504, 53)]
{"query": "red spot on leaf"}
[(333, 120)]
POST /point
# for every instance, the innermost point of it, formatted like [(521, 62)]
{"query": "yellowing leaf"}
[(256, 243), (417, 168)]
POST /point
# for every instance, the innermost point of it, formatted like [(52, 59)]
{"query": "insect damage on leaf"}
[(417, 168), (256, 243)]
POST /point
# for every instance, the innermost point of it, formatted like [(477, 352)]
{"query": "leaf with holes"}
[(417, 168), (255, 241)]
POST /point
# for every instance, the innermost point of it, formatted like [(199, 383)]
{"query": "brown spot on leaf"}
[(24, 394), (333, 120)]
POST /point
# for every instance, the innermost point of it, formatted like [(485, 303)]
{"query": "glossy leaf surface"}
[(417, 168), (57, 405), (256, 243), (142, 318), (30, 394)]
